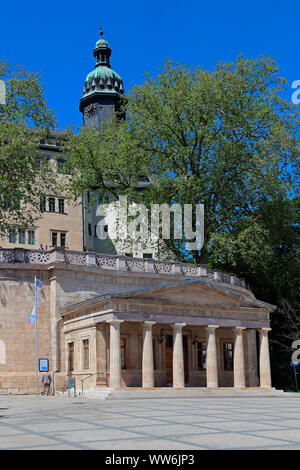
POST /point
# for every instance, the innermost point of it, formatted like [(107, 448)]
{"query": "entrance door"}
[(169, 359), (185, 359)]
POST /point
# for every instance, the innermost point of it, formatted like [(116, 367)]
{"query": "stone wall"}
[(70, 278)]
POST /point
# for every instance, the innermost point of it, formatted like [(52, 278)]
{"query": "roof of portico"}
[(243, 300)]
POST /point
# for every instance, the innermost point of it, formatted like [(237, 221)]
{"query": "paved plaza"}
[(267, 422)]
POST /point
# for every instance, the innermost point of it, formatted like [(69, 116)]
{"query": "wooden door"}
[(185, 359), (169, 359)]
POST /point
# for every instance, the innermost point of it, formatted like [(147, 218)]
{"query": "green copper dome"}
[(102, 79), (101, 43)]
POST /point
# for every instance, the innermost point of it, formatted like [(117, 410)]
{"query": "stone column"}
[(264, 358), (101, 353), (115, 354), (178, 362), (211, 358), (147, 362), (238, 358)]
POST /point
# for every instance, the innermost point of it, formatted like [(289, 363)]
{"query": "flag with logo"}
[(37, 290)]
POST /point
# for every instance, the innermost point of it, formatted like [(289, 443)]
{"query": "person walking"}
[(46, 381)]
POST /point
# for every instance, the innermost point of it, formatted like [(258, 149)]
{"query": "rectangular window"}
[(22, 237), (51, 204), (43, 204), (147, 255), (62, 239), (201, 353), (31, 237), (54, 238), (12, 235), (90, 229), (228, 356), (60, 165), (61, 206), (86, 354), (71, 356), (123, 353)]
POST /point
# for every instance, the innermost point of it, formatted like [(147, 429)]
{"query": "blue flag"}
[(37, 290)]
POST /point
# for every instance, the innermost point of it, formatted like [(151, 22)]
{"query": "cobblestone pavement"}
[(27, 422)]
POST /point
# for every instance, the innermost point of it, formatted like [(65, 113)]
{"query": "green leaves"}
[(224, 138), (23, 180)]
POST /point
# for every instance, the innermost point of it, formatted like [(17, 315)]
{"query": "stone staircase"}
[(133, 393)]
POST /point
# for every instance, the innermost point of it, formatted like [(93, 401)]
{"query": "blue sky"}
[(56, 39)]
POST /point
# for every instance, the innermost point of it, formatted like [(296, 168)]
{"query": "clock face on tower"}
[(90, 110)]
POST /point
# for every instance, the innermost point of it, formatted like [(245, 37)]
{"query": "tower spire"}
[(103, 88)]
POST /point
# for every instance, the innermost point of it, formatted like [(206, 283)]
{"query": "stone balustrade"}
[(116, 263)]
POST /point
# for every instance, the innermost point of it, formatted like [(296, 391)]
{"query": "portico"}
[(212, 369), (150, 340), (115, 323)]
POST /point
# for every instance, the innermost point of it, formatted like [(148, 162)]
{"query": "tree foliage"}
[(225, 139), (265, 249), (24, 121)]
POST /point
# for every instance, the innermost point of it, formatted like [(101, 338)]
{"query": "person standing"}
[(46, 381)]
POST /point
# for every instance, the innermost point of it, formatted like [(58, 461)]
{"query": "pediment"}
[(189, 294), (195, 293), (196, 296)]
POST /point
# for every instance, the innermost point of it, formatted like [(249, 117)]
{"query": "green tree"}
[(265, 250), (225, 139), (24, 121)]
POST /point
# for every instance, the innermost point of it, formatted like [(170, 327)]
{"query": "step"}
[(134, 393)]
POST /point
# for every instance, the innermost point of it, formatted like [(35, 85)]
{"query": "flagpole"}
[(36, 348)]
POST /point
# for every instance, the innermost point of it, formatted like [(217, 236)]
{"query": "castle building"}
[(73, 224)]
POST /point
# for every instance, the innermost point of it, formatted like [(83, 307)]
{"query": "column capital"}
[(239, 328), (264, 330), (211, 327), (149, 323), (178, 325), (114, 322)]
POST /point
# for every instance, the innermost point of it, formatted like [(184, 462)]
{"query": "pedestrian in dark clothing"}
[(46, 381)]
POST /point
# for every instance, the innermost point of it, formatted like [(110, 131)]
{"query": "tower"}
[(103, 88)]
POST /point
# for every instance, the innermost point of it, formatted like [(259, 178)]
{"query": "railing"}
[(116, 263), (88, 377)]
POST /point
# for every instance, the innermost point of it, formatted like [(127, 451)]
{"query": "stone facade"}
[(148, 324), (61, 219)]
